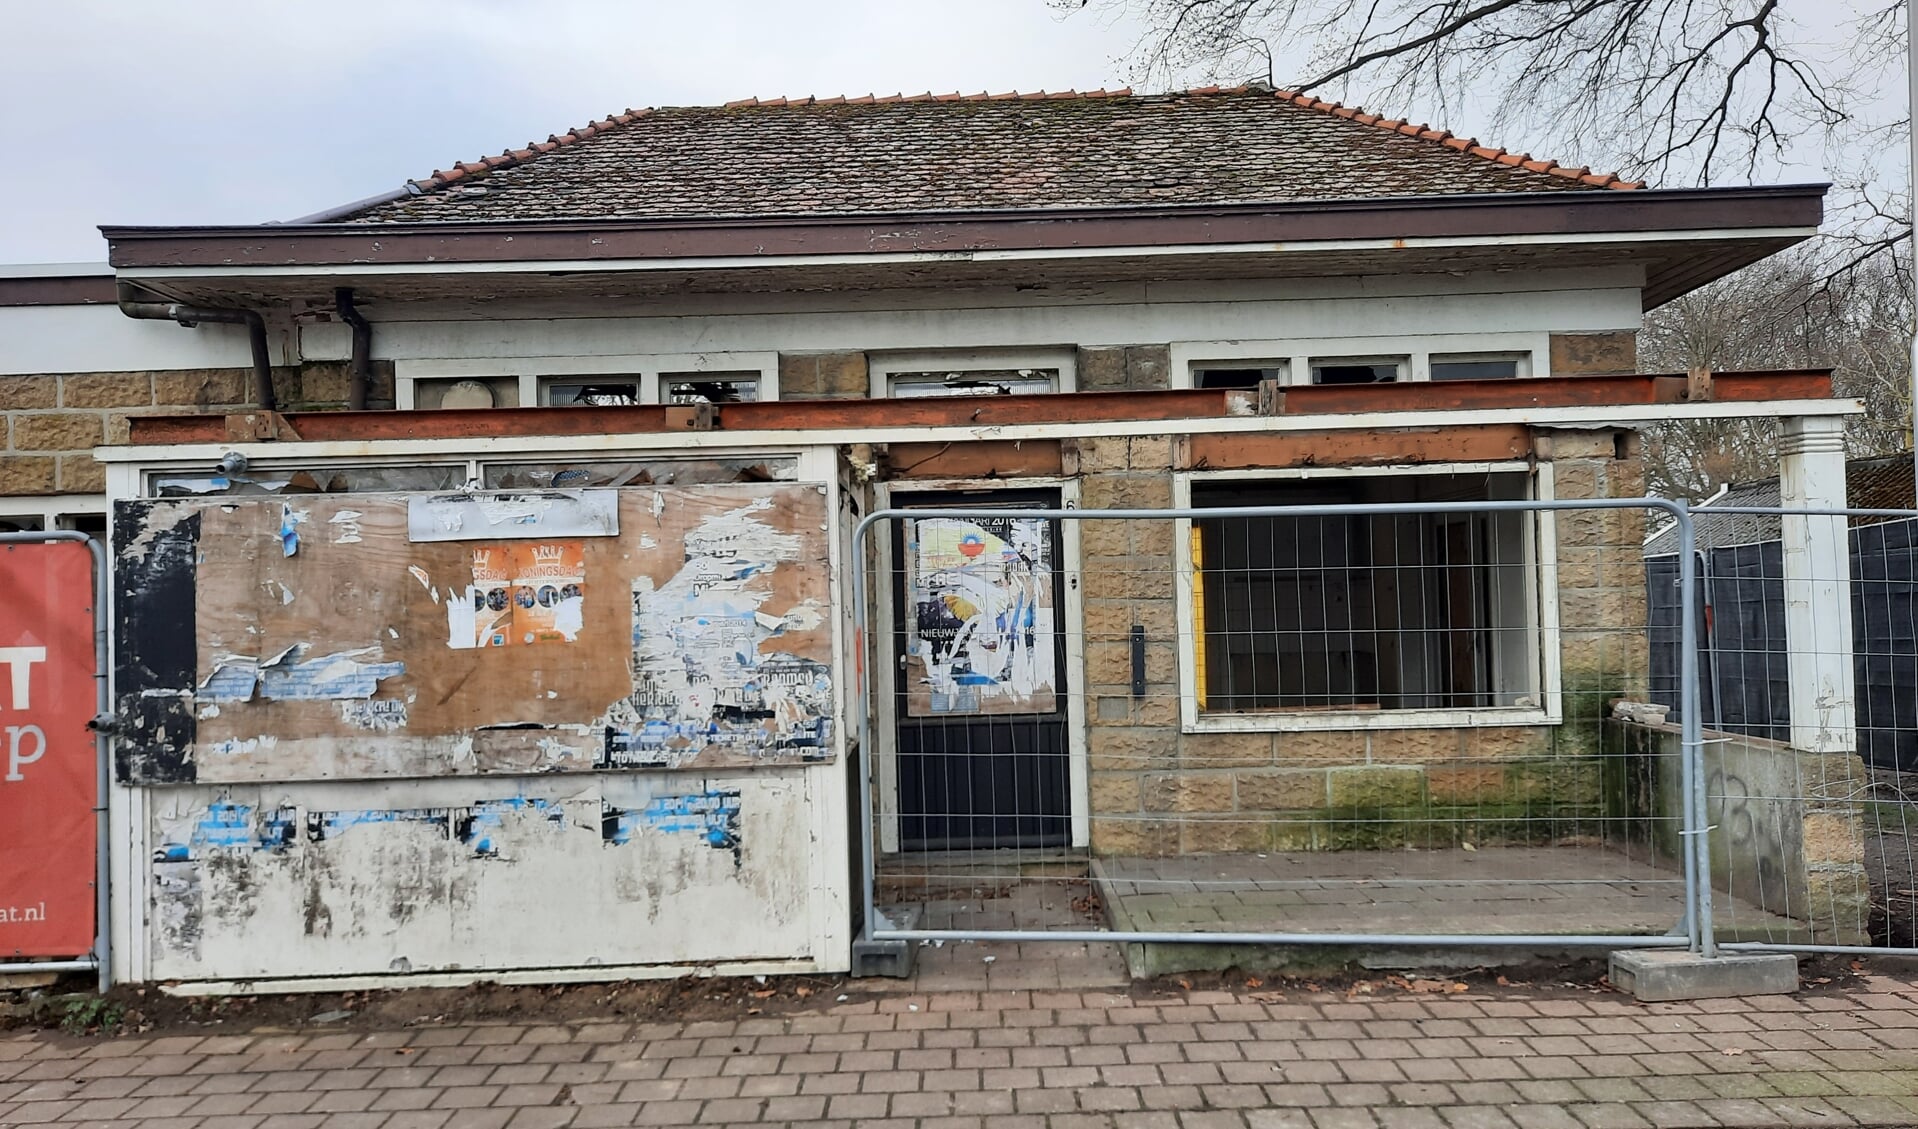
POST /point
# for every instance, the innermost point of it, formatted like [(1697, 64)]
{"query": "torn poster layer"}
[(483, 516), (709, 671)]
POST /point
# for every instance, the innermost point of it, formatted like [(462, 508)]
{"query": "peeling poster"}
[(979, 626), (534, 514)]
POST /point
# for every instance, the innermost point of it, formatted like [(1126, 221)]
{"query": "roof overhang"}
[(1681, 238)]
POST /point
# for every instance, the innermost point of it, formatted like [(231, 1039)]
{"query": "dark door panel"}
[(988, 779), (983, 786)]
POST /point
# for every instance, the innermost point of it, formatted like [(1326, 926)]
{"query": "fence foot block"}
[(887, 958), (1652, 976)]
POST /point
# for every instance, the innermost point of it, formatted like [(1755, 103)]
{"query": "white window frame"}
[(882, 367), (48, 509), (1541, 600), (1399, 361), (1296, 355), (533, 372), (1522, 358)]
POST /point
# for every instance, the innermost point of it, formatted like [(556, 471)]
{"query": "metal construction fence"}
[(1424, 711), (1850, 803)]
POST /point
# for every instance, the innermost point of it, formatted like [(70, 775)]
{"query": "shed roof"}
[(931, 153), (1881, 482)]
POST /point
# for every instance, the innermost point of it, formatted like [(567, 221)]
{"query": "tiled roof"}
[(1881, 482), (952, 152)]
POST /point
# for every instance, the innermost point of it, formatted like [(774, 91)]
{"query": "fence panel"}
[(1361, 721), (1822, 838)]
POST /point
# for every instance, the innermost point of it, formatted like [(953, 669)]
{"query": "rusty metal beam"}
[(999, 411), (1438, 444)]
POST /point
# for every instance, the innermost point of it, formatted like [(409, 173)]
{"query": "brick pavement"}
[(1506, 1059)]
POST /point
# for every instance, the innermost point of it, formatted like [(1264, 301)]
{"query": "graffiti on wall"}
[(979, 617)]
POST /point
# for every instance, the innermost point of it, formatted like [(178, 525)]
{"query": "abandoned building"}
[(552, 656)]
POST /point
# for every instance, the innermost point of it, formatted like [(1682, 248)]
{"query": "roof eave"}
[(1484, 216)]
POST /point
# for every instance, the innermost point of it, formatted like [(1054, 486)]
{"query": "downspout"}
[(189, 316), (361, 372)]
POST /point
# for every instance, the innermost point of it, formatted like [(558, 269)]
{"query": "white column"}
[(1817, 584)]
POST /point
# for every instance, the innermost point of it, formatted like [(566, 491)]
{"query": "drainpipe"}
[(220, 315), (361, 372)]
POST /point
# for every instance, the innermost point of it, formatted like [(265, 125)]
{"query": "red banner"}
[(48, 762)]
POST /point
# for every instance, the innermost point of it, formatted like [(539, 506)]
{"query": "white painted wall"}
[(59, 339), (1129, 314), (399, 897)]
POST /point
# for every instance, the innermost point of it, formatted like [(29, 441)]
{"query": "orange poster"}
[(549, 588), (48, 759)]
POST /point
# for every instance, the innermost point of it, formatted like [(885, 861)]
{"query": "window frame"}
[(882, 367), (1400, 362), (1541, 602), (1295, 355), (1521, 359), (535, 373)]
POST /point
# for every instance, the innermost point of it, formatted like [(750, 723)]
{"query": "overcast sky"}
[(244, 111), (241, 111)]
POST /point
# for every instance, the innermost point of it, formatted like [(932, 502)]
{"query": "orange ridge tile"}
[(532, 149), (1450, 141)]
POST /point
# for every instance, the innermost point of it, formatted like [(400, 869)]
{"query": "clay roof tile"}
[(1274, 165)]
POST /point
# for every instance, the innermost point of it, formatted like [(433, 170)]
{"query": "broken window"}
[(674, 472), (975, 382), (1357, 370), (333, 480), (1482, 366), (1361, 612), (1250, 376), (710, 387), (594, 391)]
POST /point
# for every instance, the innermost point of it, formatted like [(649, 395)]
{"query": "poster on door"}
[(979, 617), (48, 757)]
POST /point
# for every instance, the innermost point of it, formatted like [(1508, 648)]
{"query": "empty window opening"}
[(1357, 370), (1235, 377), (1352, 612)]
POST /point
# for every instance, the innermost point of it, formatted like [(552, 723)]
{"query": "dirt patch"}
[(1818, 974), (1891, 858), (129, 1010)]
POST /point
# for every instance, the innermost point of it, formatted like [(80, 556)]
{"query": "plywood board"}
[(329, 644)]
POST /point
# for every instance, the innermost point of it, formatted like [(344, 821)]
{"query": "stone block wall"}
[(1594, 354), (823, 376), (1787, 829), (1157, 790), (1120, 368), (54, 421)]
